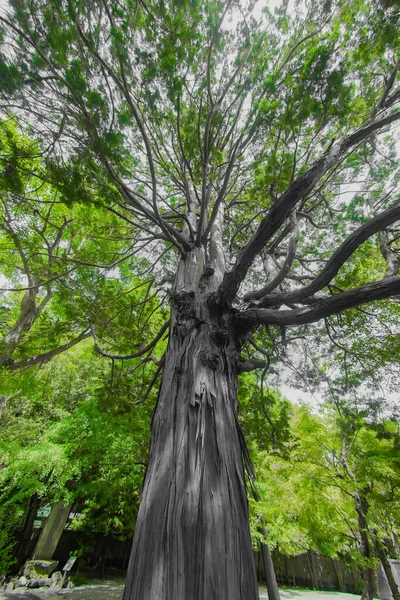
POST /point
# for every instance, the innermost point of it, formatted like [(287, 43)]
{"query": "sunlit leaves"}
[(307, 498)]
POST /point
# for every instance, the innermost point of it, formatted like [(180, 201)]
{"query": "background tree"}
[(65, 437), (334, 490), (226, 141)]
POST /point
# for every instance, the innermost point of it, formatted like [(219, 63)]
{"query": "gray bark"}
[(269, 571), (192, 538), (27, 530), (321, 307), (282, 208), (24, 323), (394, 588), (312, 570), (370, 580)]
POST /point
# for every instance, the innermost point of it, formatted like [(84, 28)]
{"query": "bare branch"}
[(277, 280), (392, 261), (338, 258), (38, 285), (14, 365), (134, 354), (377, 290), (388, 87), (288, 200), (245, 366), (153, 382)]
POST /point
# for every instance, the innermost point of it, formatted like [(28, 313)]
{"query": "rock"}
[(39, 567), (21, 582), (39, 582), (56, 581), (70, 585), (10, 586)]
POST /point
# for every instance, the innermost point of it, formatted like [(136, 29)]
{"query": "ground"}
[(113, 591)]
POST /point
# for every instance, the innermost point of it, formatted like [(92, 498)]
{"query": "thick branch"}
[(338, 258), (286, 203), (324, 308), (245, 366), (389, 86), (23, 324), (14, 365), (128, 356)]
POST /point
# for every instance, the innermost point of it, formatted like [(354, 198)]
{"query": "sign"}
[(70, 563)]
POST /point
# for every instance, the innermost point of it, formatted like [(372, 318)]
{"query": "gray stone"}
[(51, 531), (384, 590), (10, 586), (33, 568), (39, 582), (56, 581), (21, 582)]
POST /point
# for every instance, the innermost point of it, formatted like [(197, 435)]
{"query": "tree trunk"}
[(192, 538), (396, 541), (339, 574), (24, 323), (269, 571), (27, 530), (312, 570), (370, 580), (394, 588)]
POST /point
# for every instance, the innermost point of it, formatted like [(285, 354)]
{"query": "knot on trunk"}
[(219, 336), (211, 360), (208, 272), (186, 318), (184, 302)]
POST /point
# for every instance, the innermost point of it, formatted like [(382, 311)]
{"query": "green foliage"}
[(72, 434), (308, 496)]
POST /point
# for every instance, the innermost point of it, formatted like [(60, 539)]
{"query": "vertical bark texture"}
[(370, 580), (394, 588), (192, 539), (27, 530), (269, 571)]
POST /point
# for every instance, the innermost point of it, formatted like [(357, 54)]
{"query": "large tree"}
[(225, 140)]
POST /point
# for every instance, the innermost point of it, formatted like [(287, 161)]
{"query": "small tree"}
[(342, 478)]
